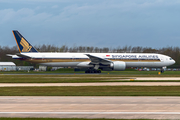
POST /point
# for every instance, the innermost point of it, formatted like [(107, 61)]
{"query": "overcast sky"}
[(100, 23)]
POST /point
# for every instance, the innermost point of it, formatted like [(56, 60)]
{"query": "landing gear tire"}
[(162, 71), (98, 71), (93, 71), (87, 71)]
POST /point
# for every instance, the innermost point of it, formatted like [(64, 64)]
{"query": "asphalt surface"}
[(91, 107)]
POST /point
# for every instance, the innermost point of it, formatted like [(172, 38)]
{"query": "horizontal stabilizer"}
[(9, 55), (23, 56)]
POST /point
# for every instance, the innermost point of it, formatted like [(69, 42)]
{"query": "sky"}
[(98, 23)]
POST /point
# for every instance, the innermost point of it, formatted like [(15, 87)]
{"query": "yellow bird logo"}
[(26, 46)]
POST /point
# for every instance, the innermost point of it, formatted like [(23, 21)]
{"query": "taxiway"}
[(91, 107)]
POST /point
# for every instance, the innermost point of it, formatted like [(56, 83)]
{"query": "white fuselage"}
[(82, 60)]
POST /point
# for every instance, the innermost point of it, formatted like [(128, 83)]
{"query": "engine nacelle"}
[(118, 66)]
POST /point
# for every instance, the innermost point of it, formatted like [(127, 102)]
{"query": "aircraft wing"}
[(98, 60), (23, 56)]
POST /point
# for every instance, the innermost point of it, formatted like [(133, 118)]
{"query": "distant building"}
[(24, 68), (7, 66), (42, 68), (55, 68)]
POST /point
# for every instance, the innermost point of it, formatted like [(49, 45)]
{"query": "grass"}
[(71, 79), (92, 91), (74, 78), (119, 73), (54, 79), (143, 73)]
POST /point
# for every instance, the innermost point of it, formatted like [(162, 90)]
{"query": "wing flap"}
[(98, 60)]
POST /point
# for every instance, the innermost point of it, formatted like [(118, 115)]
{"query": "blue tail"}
[(22, 43)]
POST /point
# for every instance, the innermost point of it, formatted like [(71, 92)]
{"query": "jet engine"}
[(118, 66)]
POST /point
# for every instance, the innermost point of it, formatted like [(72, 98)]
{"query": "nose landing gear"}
[(163, 69)]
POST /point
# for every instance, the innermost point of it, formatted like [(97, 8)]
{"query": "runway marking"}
[(155, 113)]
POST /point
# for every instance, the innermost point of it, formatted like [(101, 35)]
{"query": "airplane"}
[(95, 62)]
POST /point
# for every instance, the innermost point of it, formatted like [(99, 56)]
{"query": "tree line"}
[(173, 52)]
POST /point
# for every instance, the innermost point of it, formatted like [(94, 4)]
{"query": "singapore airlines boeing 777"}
[(92, 61)]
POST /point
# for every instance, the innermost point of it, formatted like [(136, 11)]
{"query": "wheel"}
[(98, 71), (95, 71), (87, 71)]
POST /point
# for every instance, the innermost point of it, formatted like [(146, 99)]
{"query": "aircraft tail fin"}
[(22, 43)]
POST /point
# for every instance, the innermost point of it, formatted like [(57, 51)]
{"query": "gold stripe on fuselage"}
[(84, 60), (56, 60)]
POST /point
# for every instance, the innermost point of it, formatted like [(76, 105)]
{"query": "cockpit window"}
[(170, 58)]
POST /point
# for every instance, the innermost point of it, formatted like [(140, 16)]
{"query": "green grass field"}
[(119, 73), (92, 91), (56, 78), (74, 78)]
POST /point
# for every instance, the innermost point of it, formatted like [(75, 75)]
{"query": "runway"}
[(91, 84), (91, 107)]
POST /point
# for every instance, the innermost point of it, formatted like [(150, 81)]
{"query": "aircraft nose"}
[(174, 61)]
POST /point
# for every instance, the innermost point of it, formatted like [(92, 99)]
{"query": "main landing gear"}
[(162, 70), (92, 71)]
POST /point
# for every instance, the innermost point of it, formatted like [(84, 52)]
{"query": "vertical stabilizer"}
[(22, 43)]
